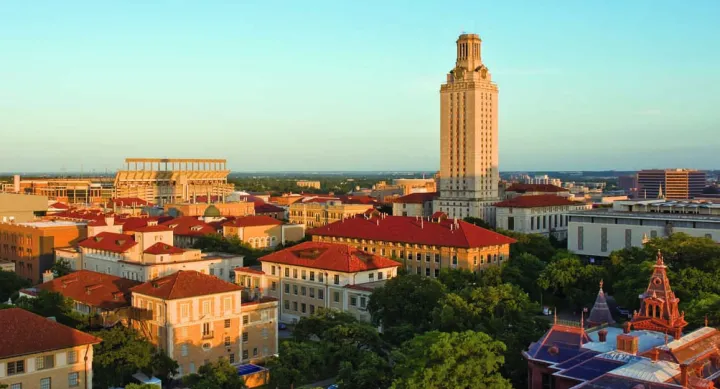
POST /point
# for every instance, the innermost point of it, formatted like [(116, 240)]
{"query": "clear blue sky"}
[(353, 85)]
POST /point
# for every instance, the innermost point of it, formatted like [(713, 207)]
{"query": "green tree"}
[(571, 281), (535, 244), (10, 284), (524, 271), (316, 325), (449, 360), (121, 354), (163, 367), (215, 375), (61, 268), (368, 371), (478, 222), (299, 362), (140, 386)]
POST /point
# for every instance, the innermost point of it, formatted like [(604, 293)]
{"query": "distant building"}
[(315, 275), (627, 224), (263, 231), (415, 204), (308, 184), (670, 183), (544, 180), (515, 190), (187, 230), (196, 318), (423, 246), (36, 352), (319, 211), (31, 246), (544, 214), (218, 209), (80, 191), (21, 208), (628, 183)]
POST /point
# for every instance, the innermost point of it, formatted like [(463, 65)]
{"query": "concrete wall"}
[(21, 207), (59, 374)]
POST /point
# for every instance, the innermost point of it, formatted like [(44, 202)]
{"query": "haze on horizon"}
[(281, 85)]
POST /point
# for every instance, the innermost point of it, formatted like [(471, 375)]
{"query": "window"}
[(303, 291), (295, 306), (287, 272), (363, 301), (227, 304), (46, 362), (336, 297), (227, 341), (437, 273), (437, 258), (287, 304), (312, 292), (245, 337), (246, 319), (45, 383), (264, 333), (72, 357), (184, 350), (320, 277), (16, 386), (454, 259), (409, 256), (206, 329), (304, 275), (418, 270), (353, 301), (321, 294), (192, 367), (295, 290), (380, 275), (427, 272), (303, 308), (371, 277), (312, 276), (581, 238), (418, 256), (294, 273), (73, 379), (232, 358), (511, 223), (245, 354), (273, 286), (272, 269), (206, 307), (287, 288), (255, 352), (312, 309)]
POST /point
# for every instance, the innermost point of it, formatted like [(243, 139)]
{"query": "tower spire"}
[(600, 313)]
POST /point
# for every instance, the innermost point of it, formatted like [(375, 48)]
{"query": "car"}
[(282, 326)]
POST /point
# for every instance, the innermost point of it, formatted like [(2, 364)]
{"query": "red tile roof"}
[(416, 198), (189, 226), (267, 208), (523, 188), (544, 200), (406, 229), (249, 270), (329, 256), (163, 248), (184, 284), (128, 202), (358, 200), (155, 228), (204, 199), (27, 333), (109, 241), (92, 288), (59, 206), (253, 221), (318, 199)]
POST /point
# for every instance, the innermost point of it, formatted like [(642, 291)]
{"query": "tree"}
[(316, 325), (449, 360), (570, 280), (140, 386), (534, 244), (478, 222), (61, 268), (215, 375), (121, 354), (369, 371), (524, 270), (299, 362), (163, 367), (10, 284)]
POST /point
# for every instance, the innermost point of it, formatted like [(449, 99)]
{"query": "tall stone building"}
[(469, 174)]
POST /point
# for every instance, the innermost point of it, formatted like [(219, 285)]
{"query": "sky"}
[(354, 85)]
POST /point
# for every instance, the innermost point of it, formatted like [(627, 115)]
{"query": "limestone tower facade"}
[(469, 174)]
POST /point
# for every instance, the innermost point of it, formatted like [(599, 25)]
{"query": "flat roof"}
[(51, 223), (646, 215)]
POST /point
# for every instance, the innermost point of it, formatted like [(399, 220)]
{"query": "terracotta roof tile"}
[(163, 248), (416, 198), (184, 284), (267, 208), (359, 200), (544, 200), (329, 256), (406, 229), (523, 188), (109, 241), (92, 288), (25, 333), (128, 202), (189, 226), (155, 228), (253, 221), (59, 206), (249, 270)]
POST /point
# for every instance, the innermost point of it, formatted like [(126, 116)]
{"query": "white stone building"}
[(537, 214)]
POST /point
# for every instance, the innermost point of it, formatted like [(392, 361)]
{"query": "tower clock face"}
[(459, 72)]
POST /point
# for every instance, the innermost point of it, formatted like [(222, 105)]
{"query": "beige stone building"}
[(162, 181), (196, 318), (238, 208), (545, 214), (415, 204), (263, 231), (308, 184), (424, 246), (37, 353), (315, 275), (21, 207), (320, 212), (469, 173)]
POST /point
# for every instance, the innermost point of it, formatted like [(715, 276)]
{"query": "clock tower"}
[(469, 173)]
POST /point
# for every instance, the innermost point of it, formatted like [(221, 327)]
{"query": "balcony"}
[(208, 335)]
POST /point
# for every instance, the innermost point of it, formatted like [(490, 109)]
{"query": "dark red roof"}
[(406, 229), (109, 241), (329, 256), (439, 215), (184, 284), (204, 199), (544, 200), (27, 333), (416, 198), (155, 228), (523, 188), (189, 226), (163, 248), (59, 206), (359, 200), (128, 202), (134, 223), (249, 270), (267, 208), (92, 288), (253, 221)]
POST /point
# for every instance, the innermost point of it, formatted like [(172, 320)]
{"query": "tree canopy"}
[(10, 284), (121, 354), (215, 375)]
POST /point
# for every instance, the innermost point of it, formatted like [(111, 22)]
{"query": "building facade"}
[(308, 184), (21, 208), (316, 213), (469, 173), (670, 183), (423, 246), (315, 275), (31, 246), (415, 204), (630, 223), (263, 231), (539, 214), (37, 353), (162, 181)]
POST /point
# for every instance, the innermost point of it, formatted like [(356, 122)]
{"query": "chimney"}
[(48, 276), (684, 379), (626, 327), (602, 335), (654, 354)]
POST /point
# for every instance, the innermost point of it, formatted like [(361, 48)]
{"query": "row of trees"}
[(233, 245)]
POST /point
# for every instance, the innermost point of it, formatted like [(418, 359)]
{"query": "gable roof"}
[(27, 333), (154, 228), (189, 226), (543, 200), (349, 199), (267, 208), (330, 256), (416, 198), (523, 188), (109, 241), (184, 284), (163, 248), (95, 289), (58, 205), (253, 221), (407, 229)]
